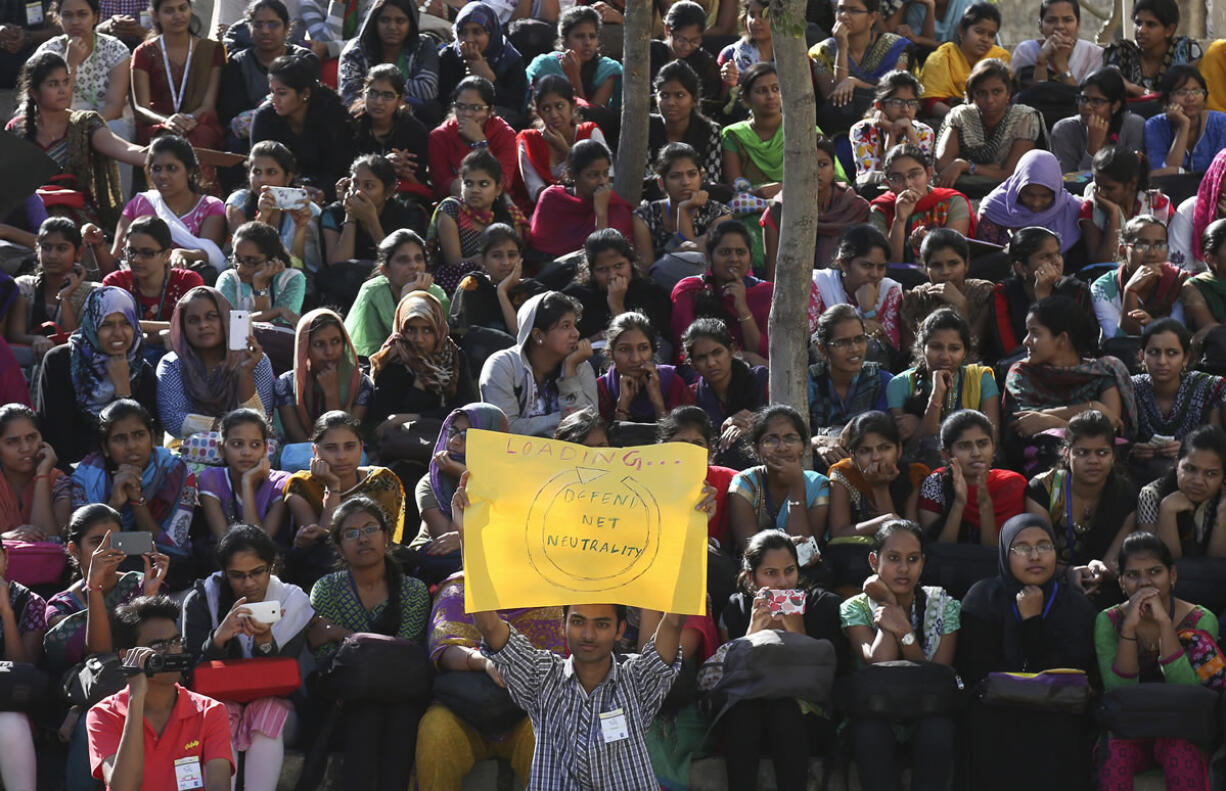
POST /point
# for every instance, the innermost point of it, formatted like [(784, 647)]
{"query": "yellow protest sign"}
[(554, 523)]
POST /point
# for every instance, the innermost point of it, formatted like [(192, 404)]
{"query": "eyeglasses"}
[(846, 343), (898, 104), (1093, 101), (851, 11), (144, 253), (249, 261), (1084, 453), (171, 645), (903, 178), (461, 107), (354, 533), (1190, 93), (693, 42), (381, 96), (1146, 247), (774, 440), (241, 576), (453, 432), (1026, 550)]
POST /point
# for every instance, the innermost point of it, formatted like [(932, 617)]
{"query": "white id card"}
[(34, 13), (188, 774), (613, 726)]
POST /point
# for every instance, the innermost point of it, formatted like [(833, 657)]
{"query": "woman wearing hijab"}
[(480, 48), (325, 377), (1033, 196), (102, 361), (437, 541), (1025, 620), (392, 26), (546, 373), (201, 380), (419, 371), (1194, 215)]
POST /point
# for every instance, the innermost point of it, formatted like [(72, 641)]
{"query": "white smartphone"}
[(1160, 438), (600, 344), (240, 328), (291, 198), (265, 611), (806, 550)]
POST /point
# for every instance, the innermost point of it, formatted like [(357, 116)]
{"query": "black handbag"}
[(22, 686), (476, 699), (956, 567), (1065, 691), (376, 667), (1161, 711), (97, 677), (900, 690)]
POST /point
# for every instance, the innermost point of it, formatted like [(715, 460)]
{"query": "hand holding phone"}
[(265, 611), (786, 601), (289, 198), (240, 329), (136, 542)]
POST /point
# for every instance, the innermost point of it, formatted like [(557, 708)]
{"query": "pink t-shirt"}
[(206, 207)]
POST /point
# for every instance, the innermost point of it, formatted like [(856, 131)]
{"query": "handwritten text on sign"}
[(556, 523)]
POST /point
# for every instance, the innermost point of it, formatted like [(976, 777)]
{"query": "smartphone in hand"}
[(786, 601), (136, 542), (240, 329)]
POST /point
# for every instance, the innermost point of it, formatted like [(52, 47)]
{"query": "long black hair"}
[(388, 622), (742, 390), (241, 538)]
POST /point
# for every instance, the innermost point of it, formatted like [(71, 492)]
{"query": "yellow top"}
[(945, 72)]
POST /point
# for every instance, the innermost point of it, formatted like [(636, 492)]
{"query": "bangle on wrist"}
[(746, 317), (1126, 637)]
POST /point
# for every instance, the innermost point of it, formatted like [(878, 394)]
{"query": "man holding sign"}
[(590, 712)]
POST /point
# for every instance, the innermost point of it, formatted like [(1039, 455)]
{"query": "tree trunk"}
[(636, 102), (789, 324)]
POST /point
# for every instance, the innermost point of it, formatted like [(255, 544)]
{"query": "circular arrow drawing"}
[(569, 557)]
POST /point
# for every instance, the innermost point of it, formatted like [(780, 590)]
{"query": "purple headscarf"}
[(1002, 206), (480, 415)]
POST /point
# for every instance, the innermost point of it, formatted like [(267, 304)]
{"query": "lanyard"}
[(177, 96), (1068, 512), (1055, 589)]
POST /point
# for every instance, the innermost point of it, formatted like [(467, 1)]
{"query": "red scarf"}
[(537, 149), (926, 211)]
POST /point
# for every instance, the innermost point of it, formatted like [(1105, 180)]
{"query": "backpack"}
[(1161, 711), (900, 690), (769, 664)]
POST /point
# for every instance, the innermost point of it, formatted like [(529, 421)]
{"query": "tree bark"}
[(636, 102), (789, 324)]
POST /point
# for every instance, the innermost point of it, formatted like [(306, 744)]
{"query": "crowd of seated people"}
[(288, 261)]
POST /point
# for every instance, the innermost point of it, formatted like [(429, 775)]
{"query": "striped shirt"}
[(571, 753)]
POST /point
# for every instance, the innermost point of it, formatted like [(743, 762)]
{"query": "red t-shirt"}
[(199, 728), (179, 282), (717, 524)]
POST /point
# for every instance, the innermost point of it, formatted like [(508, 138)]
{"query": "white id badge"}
[(34, 13), (613, 726), (188, 774)]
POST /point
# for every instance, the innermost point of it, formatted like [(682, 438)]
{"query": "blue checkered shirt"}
[(571, 754)]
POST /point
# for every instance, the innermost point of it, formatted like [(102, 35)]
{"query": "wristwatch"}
[(260, 292), (908, 639), (265, 648)]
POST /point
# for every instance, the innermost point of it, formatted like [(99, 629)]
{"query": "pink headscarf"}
[(1207, 196)]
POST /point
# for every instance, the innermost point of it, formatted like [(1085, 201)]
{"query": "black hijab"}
[(996, 639)]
